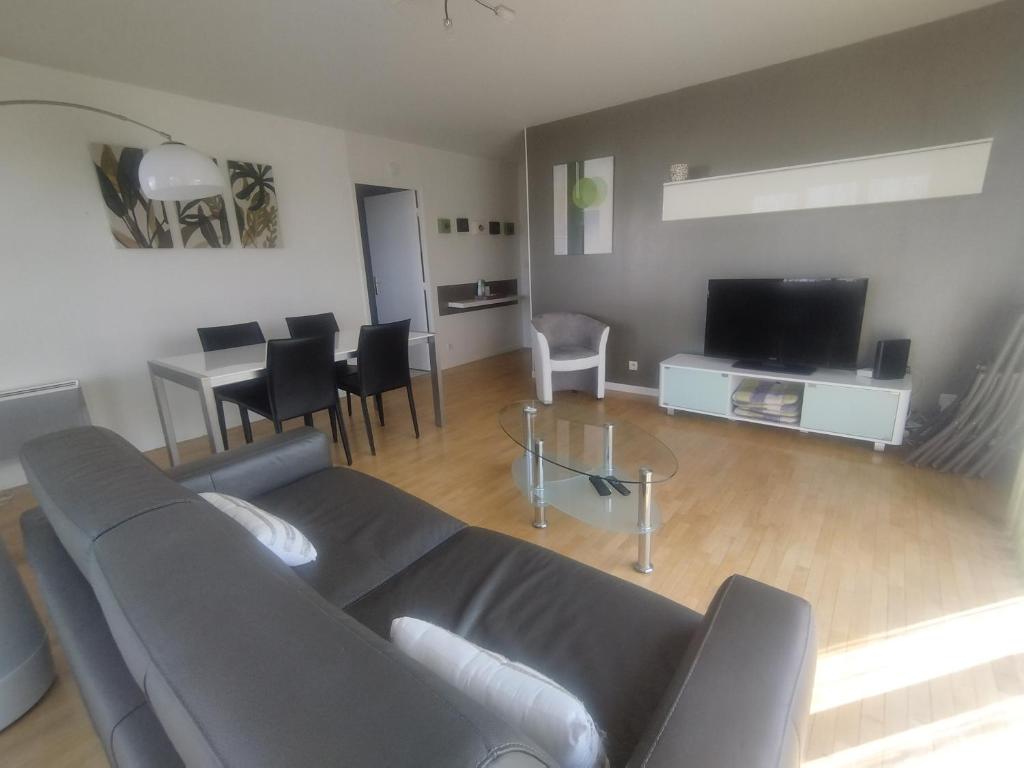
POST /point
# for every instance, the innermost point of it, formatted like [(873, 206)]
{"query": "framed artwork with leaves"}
[(135, 220), (255, 199), (204, 223)]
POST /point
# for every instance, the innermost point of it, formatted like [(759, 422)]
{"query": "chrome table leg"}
[(644, 523), (540, 519)]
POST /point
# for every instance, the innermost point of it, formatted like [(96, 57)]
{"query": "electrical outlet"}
[(633, 365)]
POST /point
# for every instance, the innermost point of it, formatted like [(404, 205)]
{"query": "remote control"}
[(618, 485), (599, 485)]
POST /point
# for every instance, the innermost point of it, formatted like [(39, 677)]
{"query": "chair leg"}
[(369, 429), (344, 435), (334, 424), (277, 427), (348, 399), (246, 424), (222, 423), (379, 401), (307, 419), (412, 410)]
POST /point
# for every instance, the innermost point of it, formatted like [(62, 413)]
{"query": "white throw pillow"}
[(538, 706), (283, 539)]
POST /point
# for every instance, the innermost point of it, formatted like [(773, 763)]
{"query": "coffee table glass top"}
[(575, 434)]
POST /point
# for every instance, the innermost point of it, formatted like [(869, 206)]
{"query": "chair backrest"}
[(323, 324), (300, 375), (217, 337), (569, 329), (383, 356)]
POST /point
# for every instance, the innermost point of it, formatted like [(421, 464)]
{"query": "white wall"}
[(453, 185)]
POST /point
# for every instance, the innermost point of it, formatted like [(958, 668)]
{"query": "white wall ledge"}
[(943, 171)]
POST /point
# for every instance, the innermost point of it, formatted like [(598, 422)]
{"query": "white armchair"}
[(568, 353)]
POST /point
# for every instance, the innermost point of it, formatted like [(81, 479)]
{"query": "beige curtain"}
[(1016, 511)]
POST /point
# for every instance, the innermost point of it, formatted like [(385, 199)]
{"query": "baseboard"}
[(631, 389)]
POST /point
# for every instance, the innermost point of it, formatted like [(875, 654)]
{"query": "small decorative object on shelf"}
[(679, 171)]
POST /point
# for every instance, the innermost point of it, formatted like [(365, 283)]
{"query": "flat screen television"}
[(786, 323)]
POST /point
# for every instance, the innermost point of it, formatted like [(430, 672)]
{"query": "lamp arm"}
[(87, 108)]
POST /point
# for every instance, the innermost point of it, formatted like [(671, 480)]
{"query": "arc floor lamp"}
[(171, 171)]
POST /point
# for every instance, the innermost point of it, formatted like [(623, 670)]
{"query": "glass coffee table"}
[(599, 471)]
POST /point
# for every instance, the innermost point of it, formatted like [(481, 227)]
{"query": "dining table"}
[(203, 372)]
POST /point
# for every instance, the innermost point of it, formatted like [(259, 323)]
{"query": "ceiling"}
[(388, 67)]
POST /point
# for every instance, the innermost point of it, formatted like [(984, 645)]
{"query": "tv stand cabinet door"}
[(866, 413), (691, 390)]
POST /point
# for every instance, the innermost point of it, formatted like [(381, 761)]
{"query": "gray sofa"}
[(194, 645)]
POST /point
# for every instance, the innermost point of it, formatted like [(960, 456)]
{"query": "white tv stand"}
[(834, 402)]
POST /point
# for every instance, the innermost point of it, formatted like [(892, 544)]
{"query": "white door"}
[(393, 234)]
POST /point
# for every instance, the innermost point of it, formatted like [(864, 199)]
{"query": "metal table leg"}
[(210, 416), (643, 559), (163, 410), (436, 382), (540, 519)]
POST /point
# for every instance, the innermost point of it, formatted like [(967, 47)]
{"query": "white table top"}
[(227, 366)]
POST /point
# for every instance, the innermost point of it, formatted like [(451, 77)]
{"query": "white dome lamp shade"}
[(174, 171)]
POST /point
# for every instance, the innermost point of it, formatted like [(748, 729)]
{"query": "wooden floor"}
[(919, 603)]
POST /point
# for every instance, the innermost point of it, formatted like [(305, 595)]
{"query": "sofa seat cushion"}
[(364, 529), (612, 645)]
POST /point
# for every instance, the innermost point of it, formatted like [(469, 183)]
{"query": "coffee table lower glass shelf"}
[(565, 445)]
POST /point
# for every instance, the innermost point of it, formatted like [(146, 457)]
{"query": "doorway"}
[(396, 277)]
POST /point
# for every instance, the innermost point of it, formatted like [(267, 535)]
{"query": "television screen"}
[(786, 322)]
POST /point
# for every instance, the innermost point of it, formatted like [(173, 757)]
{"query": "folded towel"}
[(776, 418), (778, 410), (767, 392)]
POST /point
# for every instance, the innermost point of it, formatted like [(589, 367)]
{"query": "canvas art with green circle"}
[(583, 206)]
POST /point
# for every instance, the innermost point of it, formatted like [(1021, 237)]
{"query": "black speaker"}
[(891, 357)]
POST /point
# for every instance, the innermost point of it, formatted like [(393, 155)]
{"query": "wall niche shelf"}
[(917, 174)]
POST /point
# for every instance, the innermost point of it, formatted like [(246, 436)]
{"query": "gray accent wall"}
[(947, 273)]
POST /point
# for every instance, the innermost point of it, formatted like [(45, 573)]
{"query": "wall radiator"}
[(28, 412)]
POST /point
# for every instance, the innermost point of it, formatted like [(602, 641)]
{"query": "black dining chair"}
[(302, 326), (323, 324), (383, 365), (217, 337), (300, 381)]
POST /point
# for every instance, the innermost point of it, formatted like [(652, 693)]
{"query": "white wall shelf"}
[(942, 171), (832, 402)]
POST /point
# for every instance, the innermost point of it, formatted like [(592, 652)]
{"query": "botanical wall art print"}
[(135, 220), (583, 195), (255, 197), (204, 223)]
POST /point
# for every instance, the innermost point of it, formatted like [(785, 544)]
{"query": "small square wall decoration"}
[(444, 226), (255, 197), (494, 227), (584, 196), (510, 228), (462, 225)]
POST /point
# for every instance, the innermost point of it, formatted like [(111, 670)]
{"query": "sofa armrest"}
[(742, 694), (258, 467)]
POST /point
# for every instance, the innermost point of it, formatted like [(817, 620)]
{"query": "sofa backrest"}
[(242, 662)]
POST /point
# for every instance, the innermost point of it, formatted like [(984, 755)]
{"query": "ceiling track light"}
[(503, 12)]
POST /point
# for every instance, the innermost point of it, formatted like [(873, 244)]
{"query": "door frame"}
[(424, 256)]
